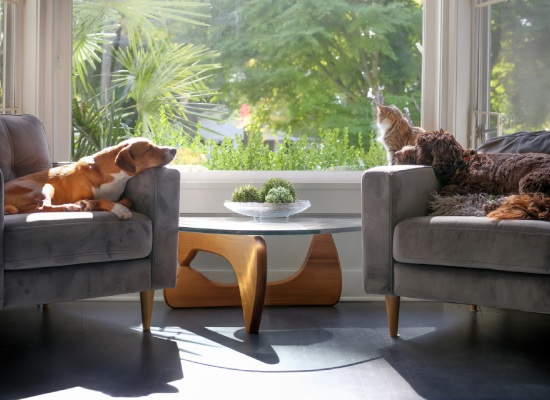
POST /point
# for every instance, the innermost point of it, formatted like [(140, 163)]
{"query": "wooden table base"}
[(317, 283)]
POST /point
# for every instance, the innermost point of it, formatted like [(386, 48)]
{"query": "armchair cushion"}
[(42, 240), (474, 242)]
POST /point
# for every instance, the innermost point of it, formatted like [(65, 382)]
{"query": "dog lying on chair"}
[(94, 183), (463, 171)]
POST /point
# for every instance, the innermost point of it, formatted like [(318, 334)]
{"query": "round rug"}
[(277, 350)]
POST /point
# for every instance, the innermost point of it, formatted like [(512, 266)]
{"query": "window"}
[(9, 69), (513, 67), (281, 74)]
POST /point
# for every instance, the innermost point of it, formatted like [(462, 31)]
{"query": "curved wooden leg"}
[(248, 257), (473, 308), (392, 311), (318, 282), (251, 272), (146, 299)]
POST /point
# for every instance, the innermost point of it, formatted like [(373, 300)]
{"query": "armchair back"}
[(23, 146)]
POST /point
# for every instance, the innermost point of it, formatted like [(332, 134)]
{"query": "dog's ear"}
[(424, 146), (406, 156), (125, 160)]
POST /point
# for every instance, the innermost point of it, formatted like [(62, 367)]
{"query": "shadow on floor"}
[(493, 354), (45, 351)]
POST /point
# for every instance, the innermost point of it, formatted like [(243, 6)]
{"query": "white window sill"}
[(330, 192)]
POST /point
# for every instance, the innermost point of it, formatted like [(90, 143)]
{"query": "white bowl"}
[(268, 210)]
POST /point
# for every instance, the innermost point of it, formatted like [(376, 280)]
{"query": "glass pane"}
[(520, 64), (245, 84)]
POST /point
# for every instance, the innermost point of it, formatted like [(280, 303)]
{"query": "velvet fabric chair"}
[(55, 257), (460, 259)]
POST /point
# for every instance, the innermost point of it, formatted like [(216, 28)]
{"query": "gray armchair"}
[(470, 260), (53, 257)]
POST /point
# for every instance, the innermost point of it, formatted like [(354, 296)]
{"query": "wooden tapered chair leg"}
[(473, 308), (392, 310), (146, 309)]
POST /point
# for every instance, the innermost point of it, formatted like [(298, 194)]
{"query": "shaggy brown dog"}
[(463, 171), (524, 177)]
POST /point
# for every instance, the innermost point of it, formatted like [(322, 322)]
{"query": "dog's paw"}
[(126, 202), (83, 205), (121, 211), (73, 207), (9, 209)]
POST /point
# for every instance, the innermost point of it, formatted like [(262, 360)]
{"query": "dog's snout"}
[(169, 154)]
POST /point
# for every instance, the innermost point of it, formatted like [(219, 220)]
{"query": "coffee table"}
[(240, 240)]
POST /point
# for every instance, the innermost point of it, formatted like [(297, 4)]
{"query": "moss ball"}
[(277, 182), (246, 194), (279, 195)]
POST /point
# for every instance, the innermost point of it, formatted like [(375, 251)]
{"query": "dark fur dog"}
[(523, 178), (463, 171)]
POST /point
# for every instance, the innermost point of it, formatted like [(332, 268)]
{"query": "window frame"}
[(11, 80), (45, 32)]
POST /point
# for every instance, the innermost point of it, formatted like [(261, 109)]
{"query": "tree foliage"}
[(308, 67), (313, 64), (520, 74), (125, 68)]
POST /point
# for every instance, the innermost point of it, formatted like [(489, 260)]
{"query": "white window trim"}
[(447, 66), (11, 80), (46, 34)]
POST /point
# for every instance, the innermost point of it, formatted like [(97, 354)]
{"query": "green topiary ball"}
[(246, 194), (277, 182), (279, 195)]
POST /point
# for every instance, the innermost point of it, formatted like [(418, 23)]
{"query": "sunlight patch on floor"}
[(276, 350)]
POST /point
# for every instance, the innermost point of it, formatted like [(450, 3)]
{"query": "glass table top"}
[(296, 225)]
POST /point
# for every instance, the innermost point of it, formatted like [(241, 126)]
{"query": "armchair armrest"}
[(1, 240), (1, 213), (388, 195), (155, 192)]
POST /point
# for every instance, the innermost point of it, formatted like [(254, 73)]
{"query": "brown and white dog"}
[(94, 183)]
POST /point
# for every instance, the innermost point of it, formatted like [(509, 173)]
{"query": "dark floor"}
[(95, 350)]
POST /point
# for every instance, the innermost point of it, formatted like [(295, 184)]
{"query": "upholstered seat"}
[(474, 242)]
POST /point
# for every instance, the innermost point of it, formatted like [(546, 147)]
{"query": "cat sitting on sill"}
[(395, 130)]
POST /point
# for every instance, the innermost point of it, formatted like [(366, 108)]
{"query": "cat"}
[(395, 130)]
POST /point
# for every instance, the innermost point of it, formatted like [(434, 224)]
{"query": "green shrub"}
[(279, 194), (246, 194), (333, 149), (275, 183)]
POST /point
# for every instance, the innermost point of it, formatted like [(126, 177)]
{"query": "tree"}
[(314, 65), (520, 74), (126, 69)]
